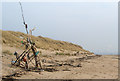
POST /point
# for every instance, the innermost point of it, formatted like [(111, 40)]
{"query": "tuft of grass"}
[(62, 54), (59, 53), (7, 52)]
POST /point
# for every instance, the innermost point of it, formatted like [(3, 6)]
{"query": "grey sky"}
[(93, 25)]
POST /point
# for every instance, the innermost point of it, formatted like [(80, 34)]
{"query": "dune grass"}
[(14, 39), (61, 53), (6, 52)]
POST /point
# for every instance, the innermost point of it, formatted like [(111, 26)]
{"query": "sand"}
[(64, 67)]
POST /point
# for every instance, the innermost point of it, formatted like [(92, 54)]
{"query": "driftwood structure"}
[(30, 54)]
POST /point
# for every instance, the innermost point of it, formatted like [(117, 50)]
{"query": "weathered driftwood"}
[(28, 59)]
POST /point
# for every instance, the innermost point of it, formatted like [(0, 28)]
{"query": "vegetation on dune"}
[(6, 52), (62, 53), (12, 39)]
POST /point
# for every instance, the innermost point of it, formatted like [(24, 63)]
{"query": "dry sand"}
[(65, 67)]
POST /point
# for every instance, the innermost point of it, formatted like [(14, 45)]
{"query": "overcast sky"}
[(92, 25)]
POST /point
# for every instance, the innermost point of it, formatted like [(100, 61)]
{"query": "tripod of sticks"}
[(26, 57)]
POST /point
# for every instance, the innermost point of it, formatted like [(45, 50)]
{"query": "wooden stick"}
[(40, 64), (21, 55), (31, 61), (36, 62)]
